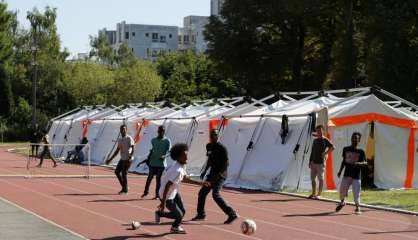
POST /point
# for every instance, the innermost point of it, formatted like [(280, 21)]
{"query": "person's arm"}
[(113, 156), (342, 166), (132, 148), (363, 161), (330, 147), (167, 187)]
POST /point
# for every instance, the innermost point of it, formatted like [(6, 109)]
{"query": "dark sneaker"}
[(199, 218), (231, 219), (144, 195), (357, 211), (123, 192), (177, 230), (340, 206), (157, 217)]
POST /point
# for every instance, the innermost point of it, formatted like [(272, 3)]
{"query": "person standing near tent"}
[(170, 189), (218, 164), (320, 148), (126, 148), (353, 159), (157, 160), (34, 138), (46, 151)]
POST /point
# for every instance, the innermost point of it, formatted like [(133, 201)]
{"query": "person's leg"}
[(151, 172), (118, 170), (216, 188), (313, 180), (320, 173), (32, 150), (344, 186), (159, 173), (52, 158), (201, 200), (36, 150), (356, 186), (41, 158), (126, 165), (175, 211)]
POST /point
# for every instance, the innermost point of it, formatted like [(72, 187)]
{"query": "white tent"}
[(103, 133), (269, 164), (180, 128)]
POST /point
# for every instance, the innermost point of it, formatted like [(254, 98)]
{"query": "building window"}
[(133, 34), (193, 38), (148, 53), (162, 39), (154, 53), (126, 35), (180, 38), (170, 36), (132, 49), (186, 38), (155, 37), (146, 34)]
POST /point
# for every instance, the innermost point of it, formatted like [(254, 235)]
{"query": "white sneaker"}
[(177, 230)]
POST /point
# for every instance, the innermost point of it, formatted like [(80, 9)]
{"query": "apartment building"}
[(146, 41)]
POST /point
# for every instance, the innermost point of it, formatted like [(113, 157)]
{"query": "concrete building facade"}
[(215, 7), (146, 41), (191, 36)]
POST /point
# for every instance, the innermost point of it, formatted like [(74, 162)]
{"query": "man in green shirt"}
[(157, 162)]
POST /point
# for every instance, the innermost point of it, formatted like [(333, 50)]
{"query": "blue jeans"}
[(176, 208)]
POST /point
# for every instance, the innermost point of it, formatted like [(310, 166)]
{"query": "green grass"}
[(400, 199)]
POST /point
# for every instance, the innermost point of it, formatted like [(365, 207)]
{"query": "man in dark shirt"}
[(320, 147), (218, 164), (353, 160)]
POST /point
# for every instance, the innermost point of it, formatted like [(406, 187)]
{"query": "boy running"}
[(353, 160), (170, 189), (320, 148)]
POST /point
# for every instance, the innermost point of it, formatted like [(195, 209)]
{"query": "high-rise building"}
[(146, 41), (215, 7), (191, 35)]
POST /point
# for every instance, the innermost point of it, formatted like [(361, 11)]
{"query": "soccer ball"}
[(248, 227), (135, 225)]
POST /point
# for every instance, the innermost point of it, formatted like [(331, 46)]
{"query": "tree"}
[(87, 83), (137, 82), (7, 26), (188, 76), (273, 45), (102, 48)]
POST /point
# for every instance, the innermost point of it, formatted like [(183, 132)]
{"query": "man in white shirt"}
[(126, 148), (169, 190)]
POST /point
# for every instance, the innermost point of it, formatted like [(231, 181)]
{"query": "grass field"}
[(400, 199)]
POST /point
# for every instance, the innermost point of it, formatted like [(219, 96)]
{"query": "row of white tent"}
[(260, 156)]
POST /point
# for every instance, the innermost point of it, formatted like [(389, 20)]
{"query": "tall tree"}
[(7, 28)]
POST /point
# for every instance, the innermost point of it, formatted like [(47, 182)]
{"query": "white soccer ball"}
[(248, 227), (135, 225)]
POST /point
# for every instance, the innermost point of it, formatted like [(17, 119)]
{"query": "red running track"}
[(92, 208)]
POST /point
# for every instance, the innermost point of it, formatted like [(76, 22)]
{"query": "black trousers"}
[(35, 149), (216, 195), (121, 172), (154, 171), (176, 208)]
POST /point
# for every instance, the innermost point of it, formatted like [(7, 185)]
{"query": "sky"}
[(77, 19)]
